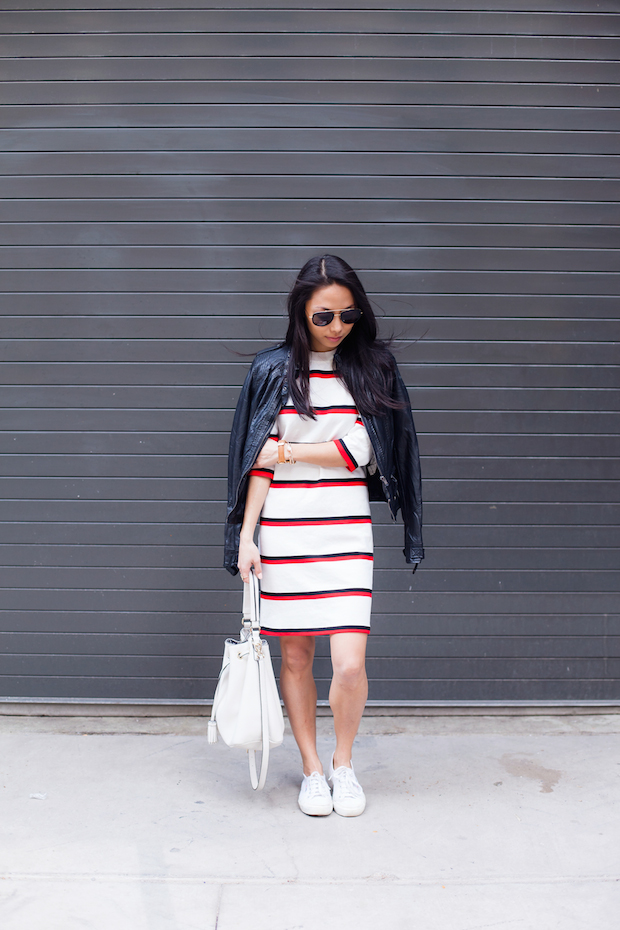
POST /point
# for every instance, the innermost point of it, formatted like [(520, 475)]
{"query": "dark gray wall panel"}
[(509, 557), (239, 164), (299, 20), (472, 44), (188, 466), (178, 444), (356, 69), (559, 6), (435, 399), (304, 116), (265, 305), (161, 645), (166, 169), (276, 186), (454, 375), (257, 257), (285, 234), (156, 624), (241, 281), (210, 210), (394, 93), (412, 140)]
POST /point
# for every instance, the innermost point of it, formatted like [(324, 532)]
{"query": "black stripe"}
[(348, 451), (309, 594), (339, 407), (350, 407), (319, 481), (326, 555)]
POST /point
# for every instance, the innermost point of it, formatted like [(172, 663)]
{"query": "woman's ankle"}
[(312, 764), (342, 758)]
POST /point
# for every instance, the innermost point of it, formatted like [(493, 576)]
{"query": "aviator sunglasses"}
[(324, 317)]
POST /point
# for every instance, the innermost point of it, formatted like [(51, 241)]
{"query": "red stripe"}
[(321, 483), (303, 560), (321, 411), (323, 374), (344, 452), (261, 472), (309, 596), (355, 629), (309, 521)]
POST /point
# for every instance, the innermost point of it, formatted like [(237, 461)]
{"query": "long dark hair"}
[(362, 361)]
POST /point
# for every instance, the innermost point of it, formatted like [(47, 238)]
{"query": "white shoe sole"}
[(323, 811), (351, 811)]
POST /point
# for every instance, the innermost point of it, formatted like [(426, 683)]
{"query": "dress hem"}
[(321, 632)]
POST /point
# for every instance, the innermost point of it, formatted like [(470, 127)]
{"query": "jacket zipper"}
[(386, 491)]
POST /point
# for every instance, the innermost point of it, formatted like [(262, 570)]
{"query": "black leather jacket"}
[(396, 480)]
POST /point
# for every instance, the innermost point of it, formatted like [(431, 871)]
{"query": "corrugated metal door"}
[(166, 169)]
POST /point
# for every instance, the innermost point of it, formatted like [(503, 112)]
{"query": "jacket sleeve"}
[(238, 436), (259, 399), (407, 461)]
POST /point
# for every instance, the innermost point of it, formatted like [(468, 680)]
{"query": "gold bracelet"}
[(290, 460)]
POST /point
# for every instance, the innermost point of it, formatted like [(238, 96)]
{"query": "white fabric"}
[(315, 533)]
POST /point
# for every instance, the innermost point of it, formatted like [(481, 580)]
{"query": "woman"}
[(323, 424)]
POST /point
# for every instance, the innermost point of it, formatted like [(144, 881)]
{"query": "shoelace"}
[(348, 785), (315, 785)]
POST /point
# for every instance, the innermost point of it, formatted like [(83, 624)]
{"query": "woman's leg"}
[(349, 690), (299, 694)]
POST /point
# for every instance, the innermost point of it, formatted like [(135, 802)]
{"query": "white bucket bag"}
[(246, 706)]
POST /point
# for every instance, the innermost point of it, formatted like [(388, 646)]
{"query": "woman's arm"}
[(248, 550), (325, 454)]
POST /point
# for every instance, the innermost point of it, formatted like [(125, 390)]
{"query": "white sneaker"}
[(348, 795), (315, 798)]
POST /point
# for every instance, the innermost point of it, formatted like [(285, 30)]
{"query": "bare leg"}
[(349, 690), (299, 694)]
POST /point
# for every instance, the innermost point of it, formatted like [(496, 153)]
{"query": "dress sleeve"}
[(355, 447)]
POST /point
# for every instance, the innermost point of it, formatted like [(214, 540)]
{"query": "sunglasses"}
[(324, 317)]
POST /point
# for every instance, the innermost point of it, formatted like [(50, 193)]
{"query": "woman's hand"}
[(268, 455), (249, 557)]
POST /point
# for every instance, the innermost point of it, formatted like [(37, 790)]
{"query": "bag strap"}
[(251, 602), (247, 615)]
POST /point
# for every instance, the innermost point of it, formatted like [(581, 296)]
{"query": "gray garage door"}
[(165, 171)]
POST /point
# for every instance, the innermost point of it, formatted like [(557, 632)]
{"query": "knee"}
[(349, 672), (297, 658)]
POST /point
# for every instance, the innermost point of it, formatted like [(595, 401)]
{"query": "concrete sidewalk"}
[(472, 822)]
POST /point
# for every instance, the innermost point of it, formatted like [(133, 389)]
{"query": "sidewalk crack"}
[(219, 904)]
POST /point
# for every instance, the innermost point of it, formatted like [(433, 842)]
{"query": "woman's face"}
[(333, 297)]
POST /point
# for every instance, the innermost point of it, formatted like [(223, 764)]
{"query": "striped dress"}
[(315, 532)]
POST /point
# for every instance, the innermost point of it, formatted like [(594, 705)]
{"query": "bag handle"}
[(251, 615)]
